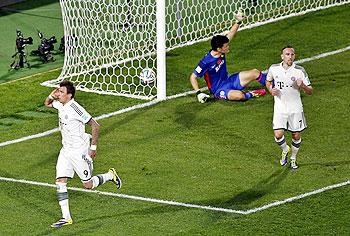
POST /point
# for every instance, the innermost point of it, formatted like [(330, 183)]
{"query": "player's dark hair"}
[(218, 41), (70, 87), (287, 46)]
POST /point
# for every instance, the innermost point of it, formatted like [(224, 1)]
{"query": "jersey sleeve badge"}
[(198, 69)]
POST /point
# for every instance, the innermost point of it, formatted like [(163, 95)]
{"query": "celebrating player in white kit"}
[(284, 81), (76, 153)]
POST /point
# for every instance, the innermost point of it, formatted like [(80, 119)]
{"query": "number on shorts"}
[(86, 173), (301, 122)]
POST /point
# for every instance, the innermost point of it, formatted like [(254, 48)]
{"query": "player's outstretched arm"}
[(201, 97), (239, 17), (52, 97), (95, 129)]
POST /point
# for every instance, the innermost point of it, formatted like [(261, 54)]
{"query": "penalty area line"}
[(188, 205)]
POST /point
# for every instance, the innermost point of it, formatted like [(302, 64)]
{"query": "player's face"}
[(63, 97), (288, 56), (225, 48)]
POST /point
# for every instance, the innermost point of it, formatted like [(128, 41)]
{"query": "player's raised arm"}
[(52, 97), (239, 16)]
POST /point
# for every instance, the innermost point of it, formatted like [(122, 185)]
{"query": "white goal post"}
[(109, 42)]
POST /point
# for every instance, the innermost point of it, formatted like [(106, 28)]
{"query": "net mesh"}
[(109, 42)]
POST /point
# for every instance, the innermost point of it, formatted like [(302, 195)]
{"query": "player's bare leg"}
[(247, 76), (237, 95)]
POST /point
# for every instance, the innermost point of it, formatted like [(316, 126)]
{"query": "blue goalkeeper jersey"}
[(214, 71)]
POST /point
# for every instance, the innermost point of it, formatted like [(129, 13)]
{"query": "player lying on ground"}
[(76, 153), (213, 68)]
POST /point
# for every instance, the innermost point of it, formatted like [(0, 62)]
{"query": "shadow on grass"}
[(22, 191), (7, 10), (326, 164), (128, 117), (186, 113), (26, 5), (71, 230), (242, 200)]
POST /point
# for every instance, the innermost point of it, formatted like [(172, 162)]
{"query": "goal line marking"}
[(147, 104), (188, 205)]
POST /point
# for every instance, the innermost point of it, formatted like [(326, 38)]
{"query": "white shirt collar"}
[(70, 102), (291, 67)]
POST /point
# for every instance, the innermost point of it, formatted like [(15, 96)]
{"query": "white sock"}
[(101, 179), (295, 148), (282, 143), (62, 197)]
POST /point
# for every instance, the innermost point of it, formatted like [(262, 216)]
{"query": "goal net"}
[(109, 42)]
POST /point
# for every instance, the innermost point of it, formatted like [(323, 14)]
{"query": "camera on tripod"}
[(45, 48), (21, 42)]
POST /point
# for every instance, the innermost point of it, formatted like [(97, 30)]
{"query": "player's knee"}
[(278, 134), (255, 73), (88, 185), (278, 137), (296, 136), (61, 180), (241, 98), (236, 95)]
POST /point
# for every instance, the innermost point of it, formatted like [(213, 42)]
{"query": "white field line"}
[(322, 55), (165, 202), (142, 105), (188, 205), (46, 133), (291, 199)]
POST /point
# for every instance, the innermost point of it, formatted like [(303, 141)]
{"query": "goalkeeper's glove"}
[(202, 97), (239, 16)]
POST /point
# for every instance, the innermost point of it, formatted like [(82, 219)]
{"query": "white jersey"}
[(288, 100), (72, 120)]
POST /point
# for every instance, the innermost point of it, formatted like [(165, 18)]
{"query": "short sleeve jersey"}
[(214, 71), (288, 100), (72, 120)]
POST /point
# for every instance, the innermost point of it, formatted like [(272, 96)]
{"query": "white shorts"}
[(294, 122), (77, 161)]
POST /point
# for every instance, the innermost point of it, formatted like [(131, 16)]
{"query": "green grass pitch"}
[(219, 154)]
